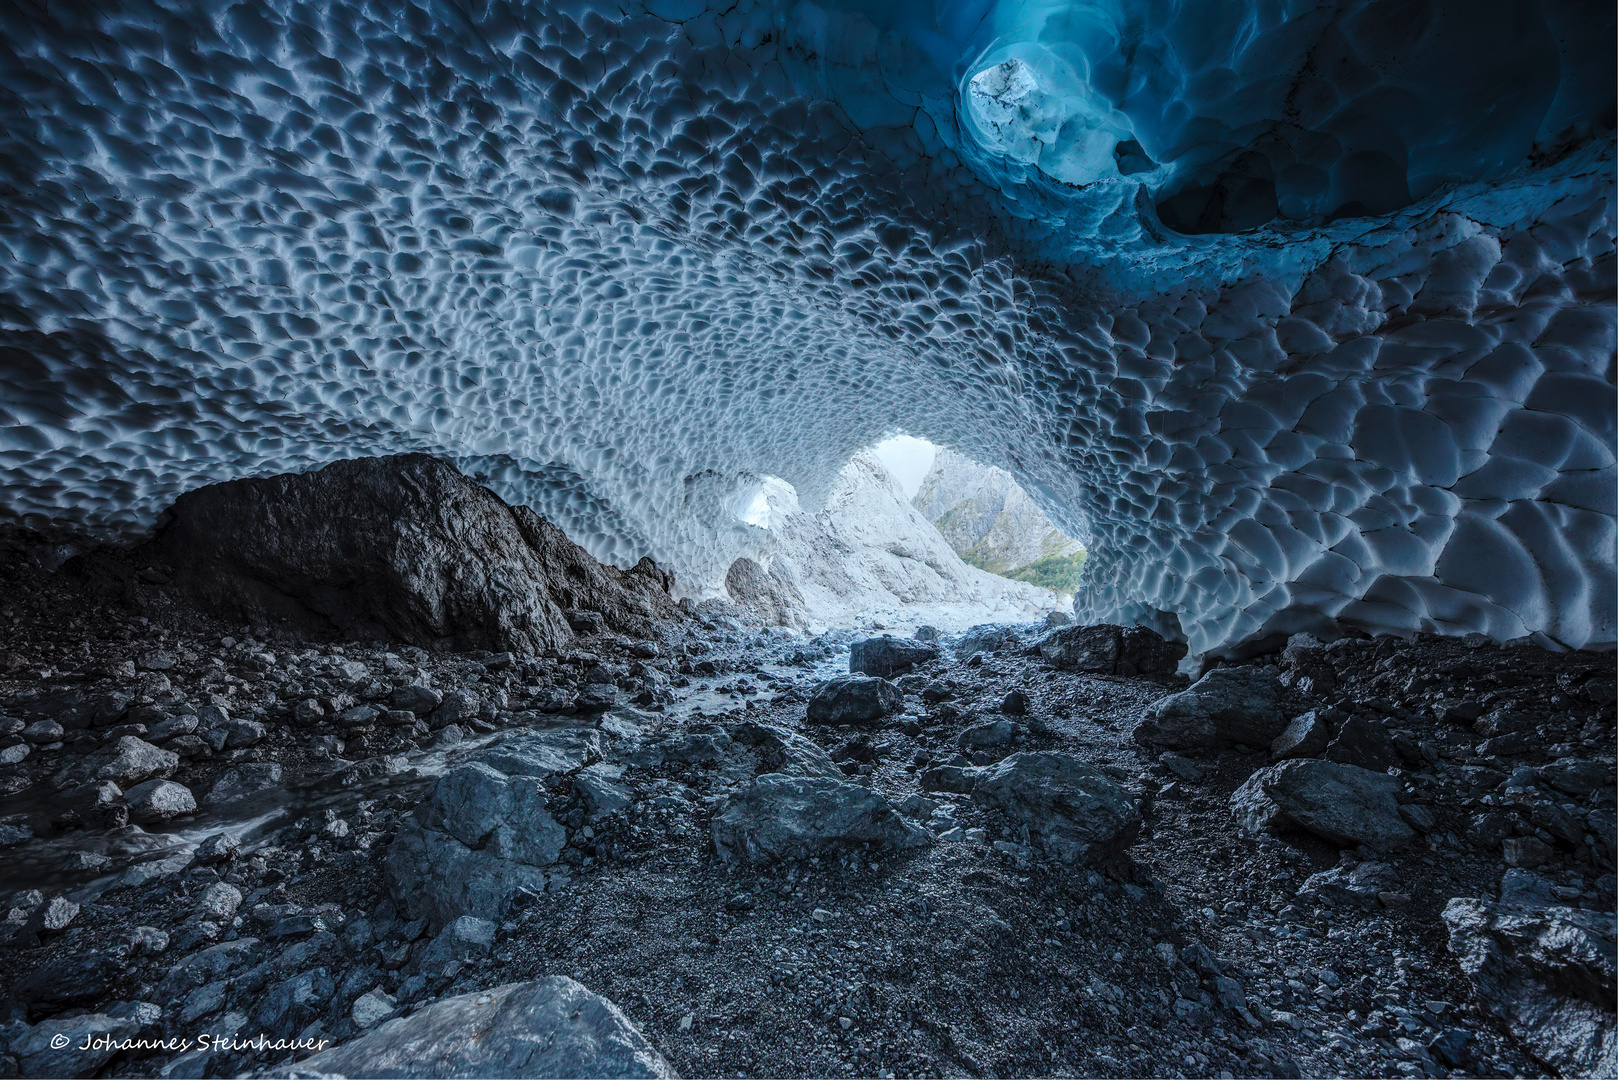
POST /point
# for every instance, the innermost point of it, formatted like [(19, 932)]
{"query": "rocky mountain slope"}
[(870, 556), (988, 519)]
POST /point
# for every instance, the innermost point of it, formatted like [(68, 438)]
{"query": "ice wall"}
[(621, 259)]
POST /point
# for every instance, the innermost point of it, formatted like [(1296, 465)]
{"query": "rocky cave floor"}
[(1197, 951)]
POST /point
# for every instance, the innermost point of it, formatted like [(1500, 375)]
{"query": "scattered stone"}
[(1576, 777), (987, 638), (550, 1027), (854, 700), (1363, 742), (69, 1046), (133, 760), (158, 801), (41, 732), (1306, 736), (218, 848), (1104, 649), (1526, 851), (1343, 804), (1361, 885), (1548, 973), (477, 841), (783, 818), (1016, 702), (886, 656), (1071, 810), (988, 736), (371, 1008), (242, 781), (99, 804), (417, 699), (1227, 705), (219, 901)]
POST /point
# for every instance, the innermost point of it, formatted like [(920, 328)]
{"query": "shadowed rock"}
[(1344, 804), (1227, 705), (886, 656), (853, 700), (1104, 649), (551, 1027), (400, 548), (778, 818), (1071, 810)]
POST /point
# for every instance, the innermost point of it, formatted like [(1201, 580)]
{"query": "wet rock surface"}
[(1037, 892)]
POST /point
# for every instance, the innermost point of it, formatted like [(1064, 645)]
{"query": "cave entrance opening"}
[(985, 515)]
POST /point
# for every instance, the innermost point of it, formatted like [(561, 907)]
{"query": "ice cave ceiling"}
[(1292, 311)]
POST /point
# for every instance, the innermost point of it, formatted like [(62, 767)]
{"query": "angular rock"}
[(1360, 886), (133, 760), (885, 657), (1306, 736), (158, 801), (854, 700), (400, 548), (99, 804), (782, 751), (551, 1027), (1363, 742), (242, 781), (1579, 778), (1074, 812), (1015, 703), (371, 1008), (988, 736), (779, 818), (71, 979), (464, 939), (1227, 705), (1548, 973), (987, 638), (1344, 804), (1105, 649), (219, 901), (477, 841), (420, 700)]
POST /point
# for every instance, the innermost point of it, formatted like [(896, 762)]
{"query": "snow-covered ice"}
[(1330, 339)]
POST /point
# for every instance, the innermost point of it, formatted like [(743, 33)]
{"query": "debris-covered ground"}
[(213, 829)]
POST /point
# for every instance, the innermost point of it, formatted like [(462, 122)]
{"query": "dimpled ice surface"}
[(1292, 312)]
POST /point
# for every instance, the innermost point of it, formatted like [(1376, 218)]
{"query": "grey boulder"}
[(52, 1047), (550, 1027), (158, 801), (886, 656), (1074, 812), (478, 840), (242, 781), (779, 818), (133, 760), (1344, 804), (1547, 972), (1227, 705), (1105, 649), (1305, 736), (854, 700)]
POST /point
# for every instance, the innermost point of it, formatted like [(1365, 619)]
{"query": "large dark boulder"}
[(1105, 649), (790, 818), (853, 699), (1343, 804), (1227, 705), (1547, 971), (399, 548), (1071, 810), (885, 657)]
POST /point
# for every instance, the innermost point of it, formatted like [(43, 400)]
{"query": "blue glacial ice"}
[(1296, 313)]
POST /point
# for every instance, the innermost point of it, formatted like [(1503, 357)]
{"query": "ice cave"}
[(451, 578), (1290, 309)]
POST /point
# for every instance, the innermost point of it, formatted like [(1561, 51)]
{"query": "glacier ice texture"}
[(1297, 315)]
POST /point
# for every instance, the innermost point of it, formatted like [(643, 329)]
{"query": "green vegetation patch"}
[(1059, 573)]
